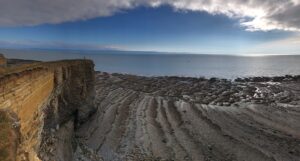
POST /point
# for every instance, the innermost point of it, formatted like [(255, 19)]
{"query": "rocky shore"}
[(175, 118), (213, 91), (64, 111)]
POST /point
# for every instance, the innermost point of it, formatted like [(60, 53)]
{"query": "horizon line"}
[(154, 52)]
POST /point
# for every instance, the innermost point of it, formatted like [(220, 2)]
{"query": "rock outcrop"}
[(174, 118), (62, 111), (9, 136), (48, 100), (2, 61)]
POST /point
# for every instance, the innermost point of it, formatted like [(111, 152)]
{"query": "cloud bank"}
[(263, 15), (58, 45)]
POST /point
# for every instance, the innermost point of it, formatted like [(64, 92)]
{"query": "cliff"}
[(2, 60), (46, 101), (58, 111)]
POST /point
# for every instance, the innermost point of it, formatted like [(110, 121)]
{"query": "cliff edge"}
[(64, 111), (40, 106)]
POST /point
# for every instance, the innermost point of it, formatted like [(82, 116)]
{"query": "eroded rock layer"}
[(56, 111), (172, 118), (47, 100)]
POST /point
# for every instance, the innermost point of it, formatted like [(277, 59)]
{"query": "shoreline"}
[(278, 78), (103, 116), (253, 89), (186, 66), (176, 118)]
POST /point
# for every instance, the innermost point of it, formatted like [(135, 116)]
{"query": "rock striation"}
[(174, 118), (48, 100), (64, 111)]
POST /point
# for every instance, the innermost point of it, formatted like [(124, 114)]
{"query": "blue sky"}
[(146, 28)]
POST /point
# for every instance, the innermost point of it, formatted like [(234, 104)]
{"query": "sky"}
[(187, 26)]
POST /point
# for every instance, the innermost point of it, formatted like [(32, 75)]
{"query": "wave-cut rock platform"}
[(173, 118)]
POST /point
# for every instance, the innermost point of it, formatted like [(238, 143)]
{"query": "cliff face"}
[(47, 100), (2, 61), (57, 112)]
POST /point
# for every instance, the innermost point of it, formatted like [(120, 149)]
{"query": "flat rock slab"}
[(172, 118)]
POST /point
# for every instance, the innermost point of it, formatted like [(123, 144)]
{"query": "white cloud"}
[(253, 14)]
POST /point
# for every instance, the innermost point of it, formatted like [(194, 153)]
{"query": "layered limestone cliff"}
[(41, 105), (56, 111)]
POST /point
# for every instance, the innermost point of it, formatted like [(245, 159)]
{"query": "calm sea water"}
[(155, 64)]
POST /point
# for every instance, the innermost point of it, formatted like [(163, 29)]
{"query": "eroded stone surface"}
[(172, 118), (61, 114), (46, 99)]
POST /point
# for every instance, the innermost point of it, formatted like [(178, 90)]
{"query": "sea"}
[(171, 64)]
